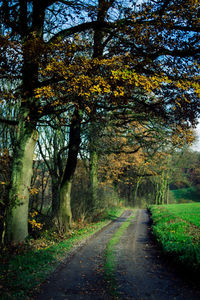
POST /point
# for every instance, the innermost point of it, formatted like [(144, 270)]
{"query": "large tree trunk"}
[(98, 49), (55, 194), (17, 213), (138, 181), (64, 211), (93, 178), (31, 37), (94, 158)]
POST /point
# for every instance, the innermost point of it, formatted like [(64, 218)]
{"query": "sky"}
[(196, 145)]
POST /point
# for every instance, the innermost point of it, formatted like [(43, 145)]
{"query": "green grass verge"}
[(177, 229), (186, 195), (22, 271), (110, 260)]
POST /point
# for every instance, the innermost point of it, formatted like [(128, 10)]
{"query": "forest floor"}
[(140, 271)]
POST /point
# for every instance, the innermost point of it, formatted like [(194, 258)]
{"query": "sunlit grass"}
[(177, 229)]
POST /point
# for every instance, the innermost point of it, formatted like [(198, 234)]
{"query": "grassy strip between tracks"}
[(177, 229), (110, 261), (24, 267)]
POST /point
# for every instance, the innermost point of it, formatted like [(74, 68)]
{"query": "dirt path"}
[(82, 277), (140, 273)]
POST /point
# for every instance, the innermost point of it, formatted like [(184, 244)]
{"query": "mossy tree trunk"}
[(93, 178), (138, 181), (17, 213), (98, 48), (57, 166), (55, 193), (161, 188), (31, 36), (64, 211)]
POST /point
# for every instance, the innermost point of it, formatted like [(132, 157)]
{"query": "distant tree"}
[(185, 164), (52, 148)]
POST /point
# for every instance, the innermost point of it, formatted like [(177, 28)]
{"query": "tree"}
[(53, 71), (52, 147), (26, 24), (64, 212)]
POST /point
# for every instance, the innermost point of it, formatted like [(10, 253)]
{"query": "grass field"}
[(177, 229)]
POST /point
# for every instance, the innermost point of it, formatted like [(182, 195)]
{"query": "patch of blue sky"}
[(64, 17)]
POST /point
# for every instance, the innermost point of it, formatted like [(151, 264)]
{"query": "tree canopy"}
[(130, 63)]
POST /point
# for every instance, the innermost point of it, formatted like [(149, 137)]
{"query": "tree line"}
[(112, 86)]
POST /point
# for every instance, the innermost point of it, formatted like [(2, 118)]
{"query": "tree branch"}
[(9, 122), (44, 158), (85, 26)]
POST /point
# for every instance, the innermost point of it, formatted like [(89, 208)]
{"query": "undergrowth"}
[(185, 195), (25, 266)]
